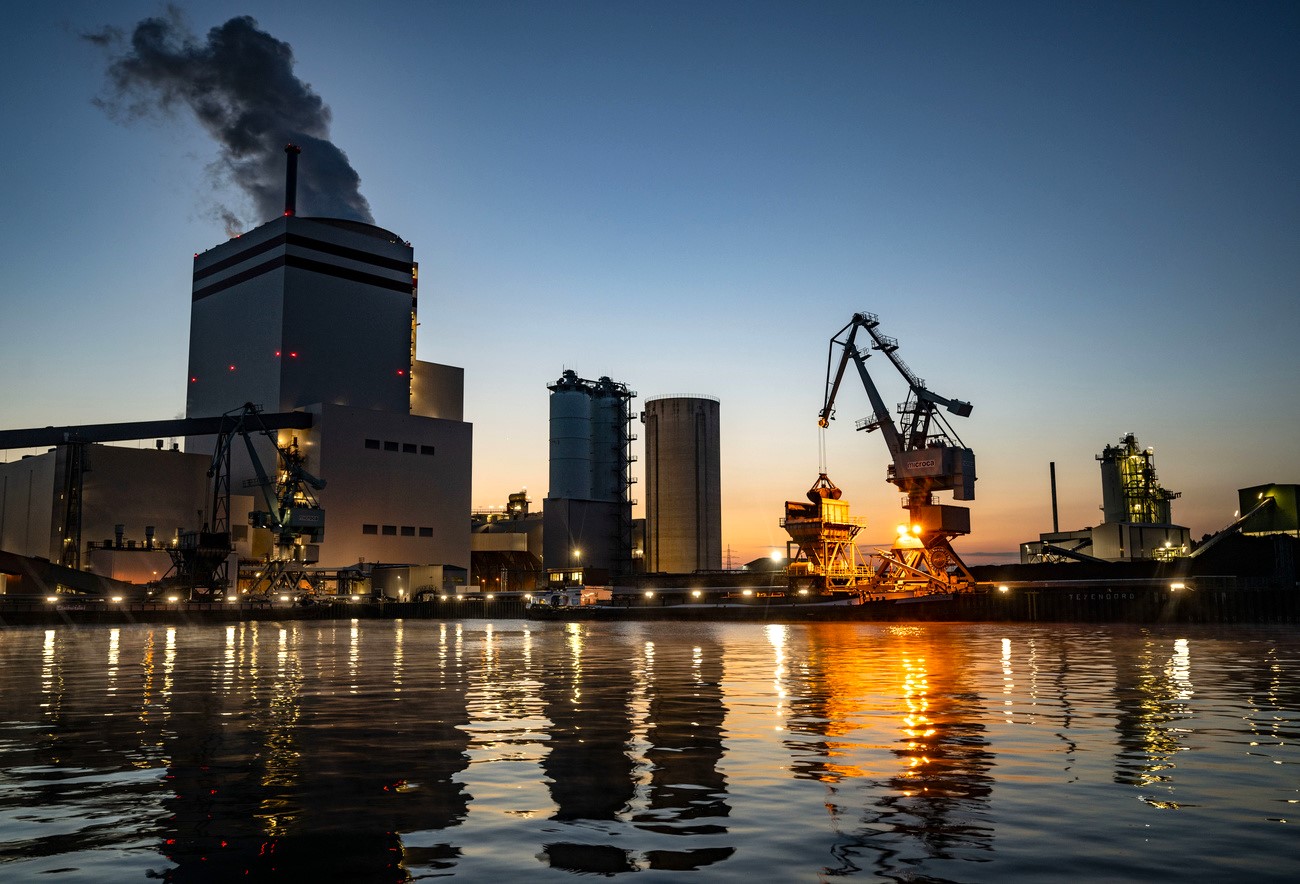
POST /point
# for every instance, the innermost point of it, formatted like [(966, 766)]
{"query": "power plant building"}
[(683, 484), (1137, 521), (587, 515), (319, 315)]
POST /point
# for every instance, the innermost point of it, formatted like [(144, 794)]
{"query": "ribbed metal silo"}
[(587, 519), (609, 460), (571, 449), (683, 485)]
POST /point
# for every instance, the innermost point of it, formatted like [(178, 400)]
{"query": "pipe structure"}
[(1056, 524), (291, 152)]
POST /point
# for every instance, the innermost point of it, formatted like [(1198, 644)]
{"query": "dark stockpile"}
[(241, 87)]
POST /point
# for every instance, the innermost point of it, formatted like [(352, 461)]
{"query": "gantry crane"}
[(292, 513), (928, 457)]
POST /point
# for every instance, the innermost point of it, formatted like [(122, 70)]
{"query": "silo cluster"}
[(588, 517)]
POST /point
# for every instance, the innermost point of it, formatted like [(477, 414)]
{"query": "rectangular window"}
[(408, 530), (369, 529), (408, 448), (390, 530), (426, 532), (372, 443), (426, 449), (390, 446)]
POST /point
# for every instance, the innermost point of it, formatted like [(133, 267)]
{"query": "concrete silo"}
[(683, 487)]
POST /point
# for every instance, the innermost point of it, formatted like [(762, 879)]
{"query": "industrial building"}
[(587, 515), (1269, 509), (130, 505), (506, 546), (1136, 515), (310, 322), (319, 315), (683, 484)]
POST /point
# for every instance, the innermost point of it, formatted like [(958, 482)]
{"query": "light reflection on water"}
[(508, 750)]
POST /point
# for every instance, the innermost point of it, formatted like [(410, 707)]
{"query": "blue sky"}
[(1083, 218)]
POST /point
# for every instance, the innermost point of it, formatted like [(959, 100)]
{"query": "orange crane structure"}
[(927, 457)]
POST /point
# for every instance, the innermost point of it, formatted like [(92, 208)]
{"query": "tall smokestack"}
[(1056, 523), (291, 152)]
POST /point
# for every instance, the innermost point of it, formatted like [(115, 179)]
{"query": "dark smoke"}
[(241, 87)]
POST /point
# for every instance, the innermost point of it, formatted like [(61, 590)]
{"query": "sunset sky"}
[(1084, 218)]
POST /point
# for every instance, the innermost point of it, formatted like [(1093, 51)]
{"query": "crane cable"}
[(821, 445)]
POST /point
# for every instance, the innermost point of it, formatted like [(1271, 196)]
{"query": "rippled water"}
[(514, 751)]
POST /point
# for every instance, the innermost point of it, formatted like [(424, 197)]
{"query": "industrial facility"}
[(1136, 515), (322, 458), (302, 365), (587, 515)]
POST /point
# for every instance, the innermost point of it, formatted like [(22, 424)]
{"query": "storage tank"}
[(571, 448), (609, 461), (683, 486)]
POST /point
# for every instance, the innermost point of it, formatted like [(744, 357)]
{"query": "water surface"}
[(513, 751)]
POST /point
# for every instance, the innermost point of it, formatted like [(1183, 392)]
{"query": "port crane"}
[(927, 457), (292, 513)]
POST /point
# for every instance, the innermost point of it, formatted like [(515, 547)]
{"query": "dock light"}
[(776, 555), (1004, 588), (444, 598), (528, 596), (1174, 587), (231, 599), (916, 529), (695, 593), (284, 598), (747, 592), (116, 598), (173, 599), (356, 598), (649, 593), (51, 598), (803, 592), (490, 596)]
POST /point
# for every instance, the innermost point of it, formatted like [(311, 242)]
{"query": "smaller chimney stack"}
[(291, 152)]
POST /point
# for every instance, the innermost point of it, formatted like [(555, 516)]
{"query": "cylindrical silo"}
[(609, 461), (570, 439), (683, 487)]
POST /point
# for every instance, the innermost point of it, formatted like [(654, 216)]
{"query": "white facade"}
[(397, 487)]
